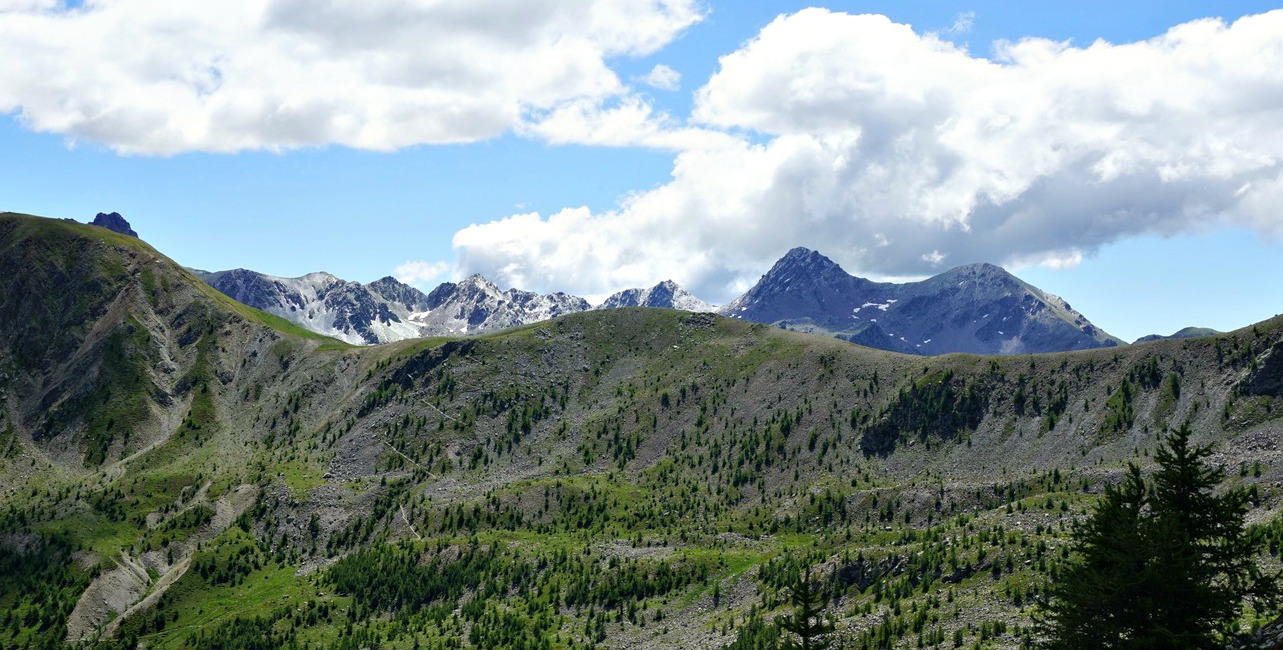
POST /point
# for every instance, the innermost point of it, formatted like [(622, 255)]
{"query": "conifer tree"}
[(1204, 557), (1160, 564), (1099, 599), (807, 620)]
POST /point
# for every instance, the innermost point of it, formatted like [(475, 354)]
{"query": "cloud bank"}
[(150, 77), (898, 153), (895, 152)]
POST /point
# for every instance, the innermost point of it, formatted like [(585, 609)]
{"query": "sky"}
[(1125, 156)]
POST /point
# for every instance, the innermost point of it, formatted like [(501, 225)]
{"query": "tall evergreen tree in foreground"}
[(1160, 564)]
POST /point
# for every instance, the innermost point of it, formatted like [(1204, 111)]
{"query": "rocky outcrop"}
[(114, 222)]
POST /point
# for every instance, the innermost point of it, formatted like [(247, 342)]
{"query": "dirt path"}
[(410, 525), (407, 458)]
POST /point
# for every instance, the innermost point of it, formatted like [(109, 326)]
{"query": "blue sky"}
[(1138, 177)]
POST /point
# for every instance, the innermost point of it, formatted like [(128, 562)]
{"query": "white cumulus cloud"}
[(421, 273), (618, 122), (663, 78), (892, 150), (151, 77)]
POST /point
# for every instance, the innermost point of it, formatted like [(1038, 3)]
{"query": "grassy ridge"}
[(18, 228)]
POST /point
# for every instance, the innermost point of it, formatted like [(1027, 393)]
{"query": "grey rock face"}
[(477, 305), (114, 222), (395, 291)]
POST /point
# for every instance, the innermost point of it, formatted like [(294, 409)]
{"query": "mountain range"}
[(978, 309), (179, 469), (387, 310), (666, 294)]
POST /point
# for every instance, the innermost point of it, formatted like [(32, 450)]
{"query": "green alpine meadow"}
[(179, 470)]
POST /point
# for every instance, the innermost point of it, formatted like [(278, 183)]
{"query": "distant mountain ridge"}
[(387, 309), (666, 294), (978, 308), (476, 305), (1183, 333), (349, 311)]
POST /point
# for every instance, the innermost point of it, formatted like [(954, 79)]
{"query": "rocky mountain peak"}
[(114, 222), (802, 260), (801, 284), (664, 290), (321, 279), (476, 304), (980, 272), (476, 279), (805, 270), (399, 292), (977, 308), (473, 288), (480, 288)]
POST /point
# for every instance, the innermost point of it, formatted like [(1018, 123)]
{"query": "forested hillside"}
[(180, 470)]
